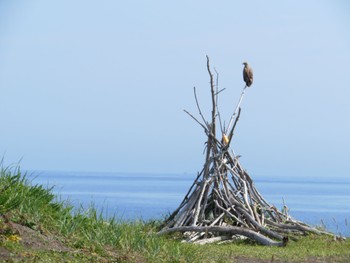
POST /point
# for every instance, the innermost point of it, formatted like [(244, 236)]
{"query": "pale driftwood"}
[(212, 240), (236, 110), (223, 200), (232, 230)]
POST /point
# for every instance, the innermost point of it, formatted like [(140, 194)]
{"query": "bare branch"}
[(234, 126), (205, 128), (197, 103), (217, 92), (217, 98), (227, 230), (213, 112), (237, 107)]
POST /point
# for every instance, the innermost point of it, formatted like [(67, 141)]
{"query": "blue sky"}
[(101, 85)]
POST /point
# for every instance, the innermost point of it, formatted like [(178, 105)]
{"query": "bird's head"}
[(245, 63)]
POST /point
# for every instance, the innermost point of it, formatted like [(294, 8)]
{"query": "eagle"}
[(247, 74)]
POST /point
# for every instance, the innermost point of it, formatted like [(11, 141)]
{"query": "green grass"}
[(88, 237)]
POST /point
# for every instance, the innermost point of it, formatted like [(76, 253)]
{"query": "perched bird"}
[(247, 74)]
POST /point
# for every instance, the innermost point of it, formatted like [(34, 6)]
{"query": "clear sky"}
[(101, 85)]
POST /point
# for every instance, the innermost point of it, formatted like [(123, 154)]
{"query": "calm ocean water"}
[(131, 196)]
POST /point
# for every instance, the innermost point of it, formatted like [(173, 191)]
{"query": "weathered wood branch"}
[(232, 230), (212, 89), (205, 128), (235, 112), (230, 136), (198, 107)]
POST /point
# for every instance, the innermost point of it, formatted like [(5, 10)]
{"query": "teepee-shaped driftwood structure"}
[(223, 202)]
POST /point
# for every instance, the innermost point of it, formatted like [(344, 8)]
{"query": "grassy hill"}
[(35, 226)]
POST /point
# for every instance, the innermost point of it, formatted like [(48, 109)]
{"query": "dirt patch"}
[(30, 239), (35, 240)]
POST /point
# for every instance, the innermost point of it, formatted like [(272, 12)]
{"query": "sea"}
[(323, 201)]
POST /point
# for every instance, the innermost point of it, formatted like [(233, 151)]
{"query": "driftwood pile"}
[(223, 202)]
